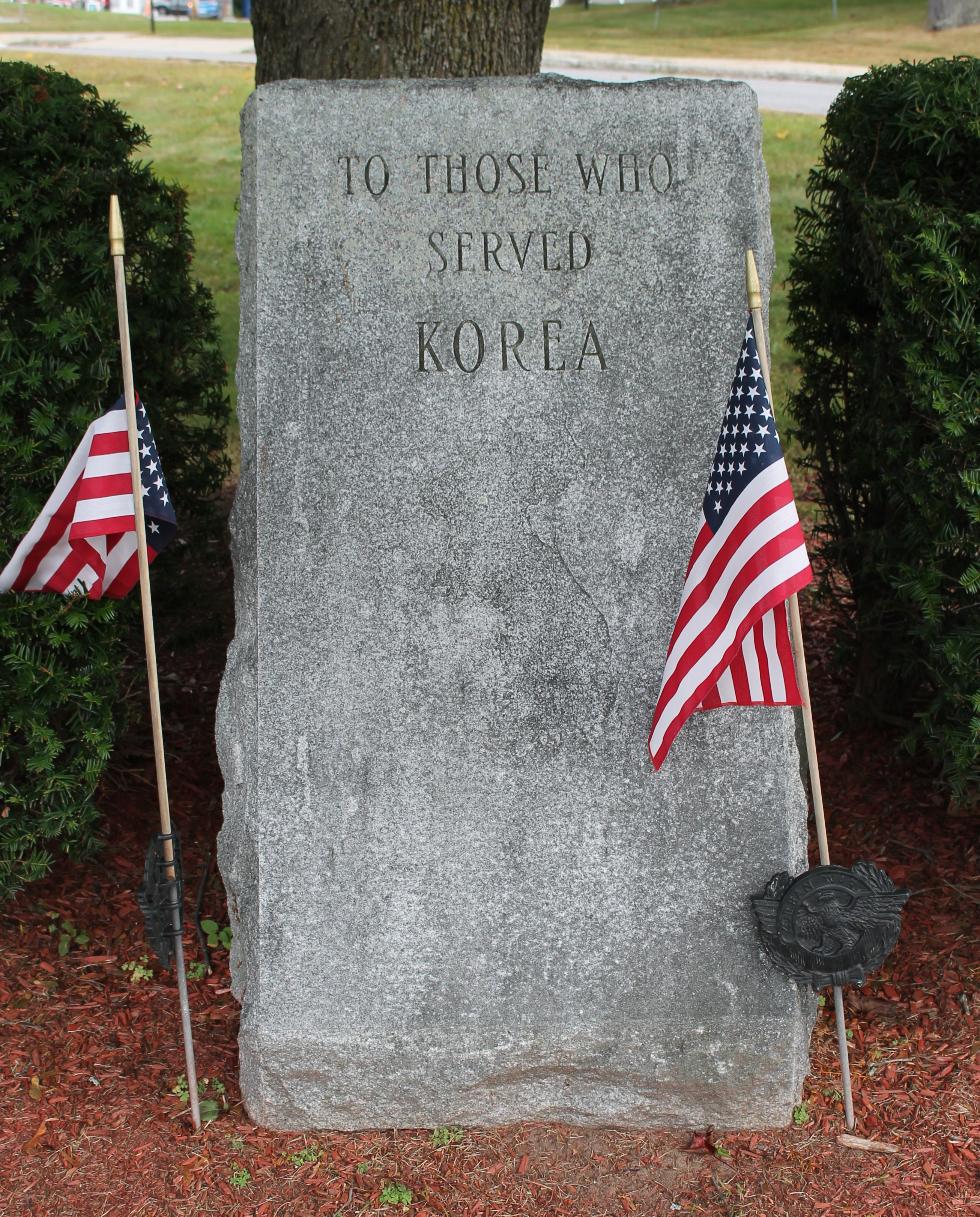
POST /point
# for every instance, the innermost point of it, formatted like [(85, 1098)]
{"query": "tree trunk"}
[(369, 39)]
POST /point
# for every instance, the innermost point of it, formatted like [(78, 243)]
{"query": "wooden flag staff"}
[(754, 292), (117, 249)]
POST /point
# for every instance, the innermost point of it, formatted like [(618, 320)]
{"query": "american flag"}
[(730, 645), (84, 540)]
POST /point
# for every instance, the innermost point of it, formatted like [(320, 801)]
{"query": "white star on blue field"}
[(748, 442)]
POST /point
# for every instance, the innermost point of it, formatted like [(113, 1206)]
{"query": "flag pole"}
[(117, 249), (754, 292)]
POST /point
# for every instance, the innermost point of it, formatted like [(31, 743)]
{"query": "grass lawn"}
[(191, 113), (865, 31)]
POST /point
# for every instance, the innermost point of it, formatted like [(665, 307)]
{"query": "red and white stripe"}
[(84, 540), (730, 645)]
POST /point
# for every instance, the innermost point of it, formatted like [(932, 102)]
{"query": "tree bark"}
[(369, 39)]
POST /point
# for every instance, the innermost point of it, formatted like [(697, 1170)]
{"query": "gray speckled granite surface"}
[(459, 891)]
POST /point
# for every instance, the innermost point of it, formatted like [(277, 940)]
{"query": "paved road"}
[(791, 96), (129, 46), (794, 87)]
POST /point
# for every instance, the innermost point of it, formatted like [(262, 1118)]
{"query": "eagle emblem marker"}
[(830, 925)]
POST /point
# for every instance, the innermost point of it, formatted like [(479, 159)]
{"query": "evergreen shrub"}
[(883, 313), (63, 151)]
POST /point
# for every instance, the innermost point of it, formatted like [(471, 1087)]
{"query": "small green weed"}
[(210, 1091), (241, 1178), (395, 1193), (68, 935), (213, 1097), (801, 1114), (309, 1153), (821, 1001), (197, 970), (447, 1135), (138, 970), (362, 1168), (217, 936), (722, 1151)]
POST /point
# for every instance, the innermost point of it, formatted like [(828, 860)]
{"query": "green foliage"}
[(216, 935), (197, 970), (64, 151), (801, 1115), (240, 1178), (138, 969), (306, 1155), (68, 935), (883, 308), (447, 1135), (211, 1093), (395, 1193)]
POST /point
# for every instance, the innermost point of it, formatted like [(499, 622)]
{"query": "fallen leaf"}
[(878, 1147), (35, 1091), (889, 1013), (38, 1137)]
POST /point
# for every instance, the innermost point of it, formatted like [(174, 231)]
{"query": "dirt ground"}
[(90, 1053)]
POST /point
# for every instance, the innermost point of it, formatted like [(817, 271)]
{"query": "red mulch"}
[(89, 1126)]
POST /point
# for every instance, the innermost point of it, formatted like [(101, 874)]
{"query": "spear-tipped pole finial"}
[(752, 286), (117, 238)]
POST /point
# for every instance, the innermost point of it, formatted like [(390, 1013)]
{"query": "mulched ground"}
[(89, 1125)]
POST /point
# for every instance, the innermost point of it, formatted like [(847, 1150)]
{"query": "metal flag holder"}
[(162, 890), (161, 894), (830, 925)]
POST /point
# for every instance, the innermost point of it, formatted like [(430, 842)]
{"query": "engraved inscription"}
[(510, 345), (508, 251), (545, 344), (623, 173), (486, 173)]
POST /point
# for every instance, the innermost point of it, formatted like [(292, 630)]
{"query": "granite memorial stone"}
[(488, 332)]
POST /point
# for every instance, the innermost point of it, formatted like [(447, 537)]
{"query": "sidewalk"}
[(723, 69), (240, 50), (114, 44)]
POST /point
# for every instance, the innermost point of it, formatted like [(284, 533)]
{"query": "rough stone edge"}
[(540, 80), (237, 712)]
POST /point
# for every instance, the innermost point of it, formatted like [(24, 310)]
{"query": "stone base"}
[(716, 1078)]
